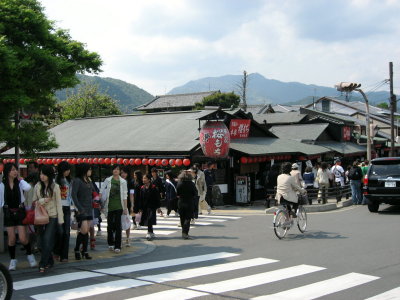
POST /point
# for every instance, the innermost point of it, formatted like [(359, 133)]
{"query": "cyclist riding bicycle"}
[(287, 189)]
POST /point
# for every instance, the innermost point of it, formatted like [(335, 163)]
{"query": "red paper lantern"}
[(13, 160), (84, 160), (151, 162), (49, 161), (73, 161), (90, 161), (215, 139), (95, 160), (138, 161), (79, 160), (125, 161), (250, 160), (243, 160), (178, 162), (157, 162), (21, 160), (100, 161), (113, 161), (58, 160), (145, 161), (107, 161), (186, 162), (132, 162), (164, 162), (119, 161), (172, 162)]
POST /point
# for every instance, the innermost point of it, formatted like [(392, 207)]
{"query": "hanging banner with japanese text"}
[(239, 128), (346, 133)]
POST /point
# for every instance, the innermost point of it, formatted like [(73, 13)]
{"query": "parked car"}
[(382, 182)]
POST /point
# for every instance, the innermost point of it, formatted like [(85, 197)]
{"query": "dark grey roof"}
[(280, 118), (178, 100), (344, 148), (299, 132), (285, 108), (331, 117), (163, 132), (260, 146)]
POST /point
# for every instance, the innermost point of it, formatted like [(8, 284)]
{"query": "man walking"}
[(338, 172), (210, 180)]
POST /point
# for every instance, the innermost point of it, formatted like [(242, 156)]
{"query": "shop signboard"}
[(239, 128)]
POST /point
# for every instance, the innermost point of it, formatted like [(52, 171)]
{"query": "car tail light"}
[(365, 190)]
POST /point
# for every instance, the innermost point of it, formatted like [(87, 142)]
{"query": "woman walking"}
[(114, 191), (149, 202), (48, 194), (170, 193), (308, 177), (186, 192), (63, 179), (138, 183), (322, 178), (12, 200), (81, 195), (126, 174)]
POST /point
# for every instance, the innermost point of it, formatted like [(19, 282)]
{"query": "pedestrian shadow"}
[(316, 235)]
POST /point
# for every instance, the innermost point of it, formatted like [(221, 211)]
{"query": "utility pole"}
[(244, 88), (393, 109), (17, 121)]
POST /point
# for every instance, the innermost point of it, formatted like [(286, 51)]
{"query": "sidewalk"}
[(139, 245)]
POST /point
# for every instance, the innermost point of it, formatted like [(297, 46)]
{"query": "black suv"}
[(382, 182)]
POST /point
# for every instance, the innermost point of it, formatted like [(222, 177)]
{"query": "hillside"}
[(261, 90), (127, 95)]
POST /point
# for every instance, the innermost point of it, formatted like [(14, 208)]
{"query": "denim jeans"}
[(62, 242), (47, 238), (355, 186), (114, 228)]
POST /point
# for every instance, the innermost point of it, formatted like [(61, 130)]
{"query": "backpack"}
[(355, 174)]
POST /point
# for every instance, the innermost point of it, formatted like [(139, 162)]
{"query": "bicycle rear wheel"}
[(301, 219), (6, 285), (280, 224)]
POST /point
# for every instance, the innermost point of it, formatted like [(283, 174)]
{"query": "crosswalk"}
[(169, 226), (169, 279)]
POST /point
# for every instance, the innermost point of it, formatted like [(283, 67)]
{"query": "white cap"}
[(295, 166)]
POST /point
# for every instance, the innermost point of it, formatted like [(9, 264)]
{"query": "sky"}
[(161, 44)]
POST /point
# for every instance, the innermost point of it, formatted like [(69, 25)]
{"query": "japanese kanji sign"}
[(239, 128)]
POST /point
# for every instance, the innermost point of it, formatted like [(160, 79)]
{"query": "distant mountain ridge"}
[(127, 95), (261, 90)]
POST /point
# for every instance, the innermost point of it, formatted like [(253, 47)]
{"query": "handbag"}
[(138, 217), (125, 222), (29, 217), (41, 215)]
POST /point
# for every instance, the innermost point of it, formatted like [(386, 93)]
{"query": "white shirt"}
[(338, 172)]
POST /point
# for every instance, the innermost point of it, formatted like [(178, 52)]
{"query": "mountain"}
[(127, 95), (261, 90)]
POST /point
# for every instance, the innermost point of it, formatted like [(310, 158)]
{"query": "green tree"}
[(224, 100), (88, 102), (383, 105), (36, 59)]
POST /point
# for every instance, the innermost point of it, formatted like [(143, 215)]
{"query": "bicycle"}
[(6, 285), (283, 221)]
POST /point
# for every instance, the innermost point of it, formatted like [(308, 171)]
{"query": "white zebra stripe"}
[(389, 295)]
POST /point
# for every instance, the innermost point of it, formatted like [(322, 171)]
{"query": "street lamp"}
[(349, 87)]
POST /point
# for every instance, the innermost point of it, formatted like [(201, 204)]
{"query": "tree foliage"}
[(36, 59), (383, 105), (88, 102), (223, 100)]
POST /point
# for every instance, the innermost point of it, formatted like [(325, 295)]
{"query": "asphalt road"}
[(345, 254)]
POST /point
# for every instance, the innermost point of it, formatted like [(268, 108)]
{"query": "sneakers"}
[(192, 221), (134, 227), (209, 210), (117, 250), (127, 243), (138, 227), (31, 260), (176, 214), (150, 236), (111, 248), (179, 224), (13, 265), (98, 233), (293, 214)]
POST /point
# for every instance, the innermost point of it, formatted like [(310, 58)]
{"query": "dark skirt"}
[(149, 217), (13, 216)]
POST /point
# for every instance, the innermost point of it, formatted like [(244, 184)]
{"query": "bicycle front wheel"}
[(6, 285), (280, 224), (301, 219)]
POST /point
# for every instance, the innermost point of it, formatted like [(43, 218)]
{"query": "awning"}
[(260, 146), (344, 148)]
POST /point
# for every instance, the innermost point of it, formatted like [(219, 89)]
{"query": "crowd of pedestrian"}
[(318, 179), (77, 203)]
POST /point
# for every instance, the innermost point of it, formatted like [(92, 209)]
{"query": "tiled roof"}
[(300, 132), (178, 100), (280, 118), (343, 148)]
